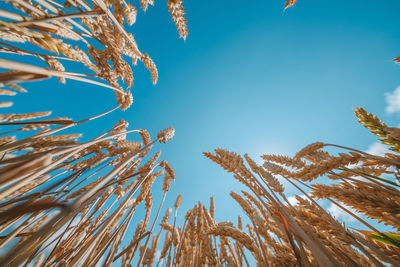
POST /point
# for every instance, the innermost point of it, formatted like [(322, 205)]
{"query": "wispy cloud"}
[(393, 101), (377, 148), (157, 256), (340, 214), (293, 201)]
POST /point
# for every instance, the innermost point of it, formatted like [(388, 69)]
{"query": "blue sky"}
[(250, 79)]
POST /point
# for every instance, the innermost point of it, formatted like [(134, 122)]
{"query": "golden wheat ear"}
[(289, 3), (71, 32), (176, 9)]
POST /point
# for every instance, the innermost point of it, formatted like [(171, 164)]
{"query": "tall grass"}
[(305, 234), (62, 201), (283, 233), (65, 202)]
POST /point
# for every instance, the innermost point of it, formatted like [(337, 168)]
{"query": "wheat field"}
[(65, 202)]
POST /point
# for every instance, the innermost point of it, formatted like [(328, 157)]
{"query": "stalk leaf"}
[(382, 238)]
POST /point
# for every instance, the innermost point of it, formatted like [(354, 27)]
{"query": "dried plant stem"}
[(151, 230), (389, 161), (8, 64), (60, 17)]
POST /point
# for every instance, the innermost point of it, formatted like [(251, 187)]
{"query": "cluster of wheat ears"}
[(70, 203)]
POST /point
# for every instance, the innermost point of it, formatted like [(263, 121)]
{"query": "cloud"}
[(393, 101), (273, 235), (378, 149), (158, 255), (340, 214), (293, 201)]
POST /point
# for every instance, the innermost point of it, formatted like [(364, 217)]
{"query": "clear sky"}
[(250, 79)]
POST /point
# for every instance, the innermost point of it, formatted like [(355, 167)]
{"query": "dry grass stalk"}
[(306, 234), (98, 184), (75, 198), (71, 32)]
